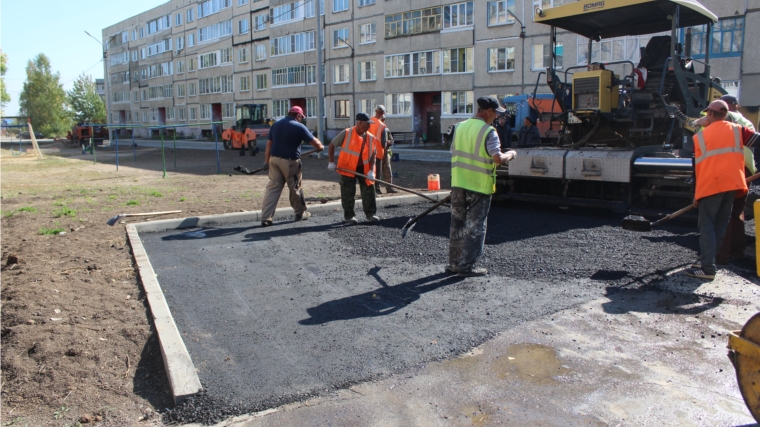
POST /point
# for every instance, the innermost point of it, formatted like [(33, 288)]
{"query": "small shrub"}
[(182, 199), (133, 203), (30, 209), (155, 193), (50, 231), (64, 211)]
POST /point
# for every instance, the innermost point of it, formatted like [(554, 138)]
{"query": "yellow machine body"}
[(594, 91)]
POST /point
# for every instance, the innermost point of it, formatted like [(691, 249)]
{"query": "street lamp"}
[(105, 77), (522, 51)]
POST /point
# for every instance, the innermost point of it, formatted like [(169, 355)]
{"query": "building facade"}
[(193, 61)]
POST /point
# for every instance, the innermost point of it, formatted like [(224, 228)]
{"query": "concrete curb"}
[(183, 377)]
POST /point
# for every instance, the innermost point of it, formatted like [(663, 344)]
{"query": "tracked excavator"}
[(624, 141)]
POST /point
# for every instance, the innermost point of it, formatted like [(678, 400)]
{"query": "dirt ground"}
[(78, 346)]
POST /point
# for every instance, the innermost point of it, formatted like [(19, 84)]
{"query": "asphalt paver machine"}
[(625, 142)]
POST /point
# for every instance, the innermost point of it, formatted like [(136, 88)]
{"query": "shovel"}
[(412, 221), (638, 223), (391, 185), (113, 220)]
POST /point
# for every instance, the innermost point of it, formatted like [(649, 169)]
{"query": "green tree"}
[(43, 99), (85, 101), (4, 97)]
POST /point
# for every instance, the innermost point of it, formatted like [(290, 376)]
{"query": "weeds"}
[(64, 211), (112, 197), (59, 203), (50, 232), (182, 199), (155, 193), (30, 209), (60, 413), (8, 214), (133, 203), (15, 422)]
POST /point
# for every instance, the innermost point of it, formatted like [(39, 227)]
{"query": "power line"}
[(71, 80)]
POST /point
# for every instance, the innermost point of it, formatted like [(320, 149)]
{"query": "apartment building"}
[(427, 61)]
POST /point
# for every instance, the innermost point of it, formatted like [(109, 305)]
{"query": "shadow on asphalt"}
[(379, 302), (630, 300), (211, 233)]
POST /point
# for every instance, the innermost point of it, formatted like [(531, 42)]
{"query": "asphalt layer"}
[(276, 315)]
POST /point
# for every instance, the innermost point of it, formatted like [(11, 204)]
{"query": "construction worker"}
[(475, 154), (383, 140), (358, 152), (719, 168), (282, 159), (738, 118), (529, 134)]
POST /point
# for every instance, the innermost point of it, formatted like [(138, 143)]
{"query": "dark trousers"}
[(714, 213), (735, 241), (348, 196), (469, 214)]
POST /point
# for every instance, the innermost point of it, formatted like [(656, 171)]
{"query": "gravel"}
[(277, 315)]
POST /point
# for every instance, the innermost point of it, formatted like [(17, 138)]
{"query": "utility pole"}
[(320, 89), (105, 80)]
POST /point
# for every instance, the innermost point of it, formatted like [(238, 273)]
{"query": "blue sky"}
[(56, 28)]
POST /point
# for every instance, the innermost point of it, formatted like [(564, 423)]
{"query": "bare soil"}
[(78, 345)]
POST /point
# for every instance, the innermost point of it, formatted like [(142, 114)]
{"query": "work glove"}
[(331, 166), (371, 175), (509, 155), (266, 167)]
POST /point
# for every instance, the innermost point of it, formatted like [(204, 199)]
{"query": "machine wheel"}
[(253, 148), (227, 144), (747, 364)]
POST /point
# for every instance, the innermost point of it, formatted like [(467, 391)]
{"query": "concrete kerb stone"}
[(183, 377)]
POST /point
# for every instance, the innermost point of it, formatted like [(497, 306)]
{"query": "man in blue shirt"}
[(529, 134), (282, 159)]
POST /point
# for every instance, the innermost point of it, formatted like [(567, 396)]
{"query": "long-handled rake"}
[(113, 220)]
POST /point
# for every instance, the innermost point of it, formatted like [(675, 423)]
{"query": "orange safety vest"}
[(377, 129), (349, 153), (719, 159)]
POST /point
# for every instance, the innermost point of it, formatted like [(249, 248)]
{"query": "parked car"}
[(25, 135)]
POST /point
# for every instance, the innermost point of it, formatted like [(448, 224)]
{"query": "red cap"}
[(296, 109)]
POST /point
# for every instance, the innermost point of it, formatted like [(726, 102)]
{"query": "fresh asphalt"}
[(275, 315)]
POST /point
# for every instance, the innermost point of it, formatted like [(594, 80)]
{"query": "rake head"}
[(636, 223), (113, 220), (407, 227)]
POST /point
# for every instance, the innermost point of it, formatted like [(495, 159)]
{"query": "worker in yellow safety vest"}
[(475, 155), (358, 152), (719, 168)]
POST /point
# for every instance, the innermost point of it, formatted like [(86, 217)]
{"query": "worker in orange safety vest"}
[(719, 168), (383, 140), (358, 152)]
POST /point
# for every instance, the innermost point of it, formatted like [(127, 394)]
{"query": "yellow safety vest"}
[(472, 168)]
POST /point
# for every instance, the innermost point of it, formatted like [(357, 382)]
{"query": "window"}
[(311, 75), (261, 81), (293, 43), (287, 12), (160, 47), (368, 105), (310, 5), (342, 108), (145, 116), (243, 26), (181, 114), (228, 109), (413, 64), (191, 89), (136, 96), (261, 52), (134, 35), (311, 107), (170, 113), (499, 12), (399, 103), (180, 43), (340, 5), (363, 3), (134, 56), (222, 84), (245, 84), (190, 40), (457, 15), (227, 84), (501, 59), (280, 107), (205, 111), (542, 56), (180, 90), (457, 60), (242, 2), (210, 7), (208, 60), (413, 22), (193, 113), (341, 73), (191, 65), (367, 33), (178, 19), (259, 23), (367, 71), (227, 55), (243, 55), (614, 49), (144, 94), (288, 76), (727, 38), (190, 15), (457, 102), (215, 31), (158, 24), (136, 115), (129, 115), (339, 38)]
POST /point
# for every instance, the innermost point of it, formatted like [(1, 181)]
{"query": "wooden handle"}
[(674, 214), (152, 213), (431, 209), (390, 185)]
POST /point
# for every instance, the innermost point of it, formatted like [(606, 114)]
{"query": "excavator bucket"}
[(744, 352)]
